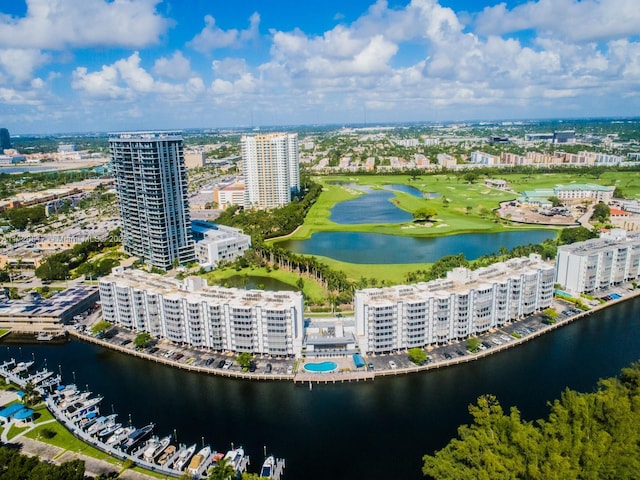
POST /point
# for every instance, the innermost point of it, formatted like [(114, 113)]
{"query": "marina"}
[(78, 411)]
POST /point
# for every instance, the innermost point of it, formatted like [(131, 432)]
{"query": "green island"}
[(591, 435)]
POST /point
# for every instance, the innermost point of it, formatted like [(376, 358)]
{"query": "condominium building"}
[(192, 313), (218, 243), (151, 182), (464, 304), (589, 266), (271, 168), (228, 194)]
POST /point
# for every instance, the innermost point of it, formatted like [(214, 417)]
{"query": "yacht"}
[(268, 467), (119, 435), (101, 423), (154, 447), (44, 337), (166, 454), (198, 460), (136, 437), (108, 429), (235, 457), (184, 457)]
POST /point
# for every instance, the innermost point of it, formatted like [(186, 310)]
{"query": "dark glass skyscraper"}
[(151, 182), (5, 139)]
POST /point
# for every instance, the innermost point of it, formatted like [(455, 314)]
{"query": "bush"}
[(47, 433)]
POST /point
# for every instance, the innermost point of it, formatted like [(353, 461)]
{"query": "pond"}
[(249, 282), (374, 207), (374, 248)]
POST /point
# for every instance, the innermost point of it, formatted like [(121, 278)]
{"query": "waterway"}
[(364, 247), (376, 430)]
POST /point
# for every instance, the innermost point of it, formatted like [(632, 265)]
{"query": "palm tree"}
[(31, 395), (222, 470)]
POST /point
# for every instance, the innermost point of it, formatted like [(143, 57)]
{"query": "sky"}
[(112, 65)]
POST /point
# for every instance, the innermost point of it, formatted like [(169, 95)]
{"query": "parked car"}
[(252, 366), (290, 370), (221, 364), (208, 361), (371, 366), (268, 368), (227, 364), (392, 364)]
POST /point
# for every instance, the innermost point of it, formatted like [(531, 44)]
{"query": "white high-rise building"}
[(271, 168), (151, 182)]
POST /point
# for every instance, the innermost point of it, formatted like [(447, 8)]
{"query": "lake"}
[(376, 430), (375, 248)]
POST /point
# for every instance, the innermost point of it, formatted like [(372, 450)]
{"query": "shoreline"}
[(355, 375)]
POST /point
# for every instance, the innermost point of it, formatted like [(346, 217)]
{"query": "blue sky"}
[(104, 65)]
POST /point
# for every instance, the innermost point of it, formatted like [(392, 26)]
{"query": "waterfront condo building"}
[(151, 182), (465, 304), (271, 168), (190, 312), (592, 265)]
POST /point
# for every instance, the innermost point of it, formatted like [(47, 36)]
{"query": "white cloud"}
[(229, 67), (212, 37), (580, 21), (127, 79), (62, 24), (20, 63), (176, 67)]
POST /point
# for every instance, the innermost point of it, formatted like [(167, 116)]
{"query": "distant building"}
[(573, 193), (271, 169), (194, 158), (464, 304), (538, 137), (592, 265), (565, 136), (151, 183), (66, 148), (481, 158), (498, 140), (5, 139), (190, 312), (216, 243), (445, 160), (229, 194)]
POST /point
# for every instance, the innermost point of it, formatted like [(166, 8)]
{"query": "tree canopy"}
[(586, 436), (15, 466)]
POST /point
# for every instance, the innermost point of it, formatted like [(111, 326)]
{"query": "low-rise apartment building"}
[(464, 304), (592, 265), (190, 312)]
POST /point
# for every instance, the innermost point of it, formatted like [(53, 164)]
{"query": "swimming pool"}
[(322, 367)]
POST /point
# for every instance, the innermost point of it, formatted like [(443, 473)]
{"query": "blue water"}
[(373, 207), (322, 367), (26, 169), (362, 247)]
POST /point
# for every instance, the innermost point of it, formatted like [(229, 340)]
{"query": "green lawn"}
[(3, 332), (14, 431)]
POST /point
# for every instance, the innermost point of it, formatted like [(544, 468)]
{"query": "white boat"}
[(100, 424), (167, 453), (268, 467), (198, 460), (184, 457), (22, 367), (235, 457), (155, 447), (119, 435), (108, 429)]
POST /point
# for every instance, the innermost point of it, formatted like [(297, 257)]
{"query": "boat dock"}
[(76, 409), (339, 377)]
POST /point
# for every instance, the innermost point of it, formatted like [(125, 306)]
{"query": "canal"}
[(374, 430)]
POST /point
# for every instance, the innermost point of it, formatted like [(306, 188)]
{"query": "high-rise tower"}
[(5, 139), (271, 167), (151, 182)]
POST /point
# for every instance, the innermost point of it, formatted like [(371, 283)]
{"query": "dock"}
[(326, 378)]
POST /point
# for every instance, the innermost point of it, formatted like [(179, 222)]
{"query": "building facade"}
[(271, 168), (151, 182), (218, 243), (192, 313), (464, 304), (589, 266)]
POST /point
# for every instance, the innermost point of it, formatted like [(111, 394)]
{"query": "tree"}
[(417, 356), (470, 177), (244, 359), (31, 396), (618, 193), (101, 327), (473, 344), (300, 283), (143, 340), (601, 212), (555, 201), (222, 470), (424, 214)]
